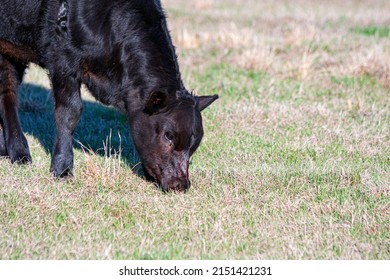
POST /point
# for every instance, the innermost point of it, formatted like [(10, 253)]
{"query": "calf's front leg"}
[(12, 141), (68, 108)]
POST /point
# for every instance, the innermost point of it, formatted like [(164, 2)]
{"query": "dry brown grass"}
[(304, 39)]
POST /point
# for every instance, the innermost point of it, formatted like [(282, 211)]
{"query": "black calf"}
[(122, 51)]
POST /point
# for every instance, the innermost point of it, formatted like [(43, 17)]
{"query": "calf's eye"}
[(168, 136)]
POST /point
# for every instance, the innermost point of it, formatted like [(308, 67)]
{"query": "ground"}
[(295, 162)]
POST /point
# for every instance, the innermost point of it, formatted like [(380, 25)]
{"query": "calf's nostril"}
[(176, 186), (179, 185)]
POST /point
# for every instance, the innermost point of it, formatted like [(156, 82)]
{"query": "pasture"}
[(294, 164)]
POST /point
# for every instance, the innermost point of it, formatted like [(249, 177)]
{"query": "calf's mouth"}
[(167, 184), (176, 185)]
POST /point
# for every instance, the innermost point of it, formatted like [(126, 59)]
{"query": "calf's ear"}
[(205, 101), (157, 101)]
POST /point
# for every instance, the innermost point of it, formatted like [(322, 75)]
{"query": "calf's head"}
[(167, 133)]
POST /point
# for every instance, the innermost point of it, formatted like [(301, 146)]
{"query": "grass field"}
[(295, 162)]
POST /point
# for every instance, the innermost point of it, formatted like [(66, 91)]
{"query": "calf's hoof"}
[(61, 166), (21, 159), (19, 152)]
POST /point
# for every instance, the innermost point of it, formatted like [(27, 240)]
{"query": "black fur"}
[(122, 51)]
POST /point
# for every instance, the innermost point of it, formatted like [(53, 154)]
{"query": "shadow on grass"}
[(102, 129)]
